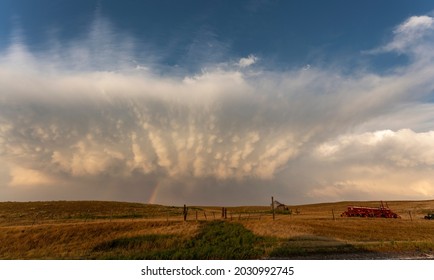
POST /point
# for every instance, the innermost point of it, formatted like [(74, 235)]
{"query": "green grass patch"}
[(222, 240)]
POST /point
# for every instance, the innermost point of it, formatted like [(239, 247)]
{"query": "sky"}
[(216, 102)]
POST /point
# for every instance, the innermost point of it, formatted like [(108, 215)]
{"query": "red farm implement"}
[(380, 212)]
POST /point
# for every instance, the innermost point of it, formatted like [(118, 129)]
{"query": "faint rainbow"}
[(153, 197)]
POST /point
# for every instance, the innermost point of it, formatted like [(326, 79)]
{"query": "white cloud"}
[(28, 178), (380, 165), (404, 148), (416, 24), (247, 61), (414, 36)]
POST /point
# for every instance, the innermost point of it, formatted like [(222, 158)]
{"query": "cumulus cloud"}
[(403, 148), (247, 61), (86, 119), (413, 36), (415, 24), (383, 164)]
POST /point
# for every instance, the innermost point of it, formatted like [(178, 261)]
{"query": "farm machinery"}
[(370, 212), (429, 216)]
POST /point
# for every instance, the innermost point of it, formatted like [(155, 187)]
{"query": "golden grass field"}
[(112, 230)]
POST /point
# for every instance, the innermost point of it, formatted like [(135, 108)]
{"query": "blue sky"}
[(216, 102), (284, 34)]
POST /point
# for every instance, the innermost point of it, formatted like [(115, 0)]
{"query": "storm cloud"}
[(85, 120)]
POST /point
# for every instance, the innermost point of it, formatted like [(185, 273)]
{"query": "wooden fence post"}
[(272, 207), (196, 215), (185, 212), (204, 213), (333, 213), (411, 218), (226, 213)]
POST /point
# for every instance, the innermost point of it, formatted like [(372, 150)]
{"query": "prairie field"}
[(120, 230)]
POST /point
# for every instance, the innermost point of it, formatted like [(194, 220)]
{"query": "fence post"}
[(411, 218), (333, 213), (272, 207), (204, 213), (185, 212), (196, 215), (226, 213)]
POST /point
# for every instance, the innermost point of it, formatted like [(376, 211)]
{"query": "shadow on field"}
[(215, 240), (313, 247)]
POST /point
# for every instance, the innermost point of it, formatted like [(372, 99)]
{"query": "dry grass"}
[(317, 219), (28, 213), (280, 228), (60, 230), (315, 226), (77, 240)]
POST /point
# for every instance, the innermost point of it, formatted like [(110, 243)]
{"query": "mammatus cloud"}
[(98, 125)]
